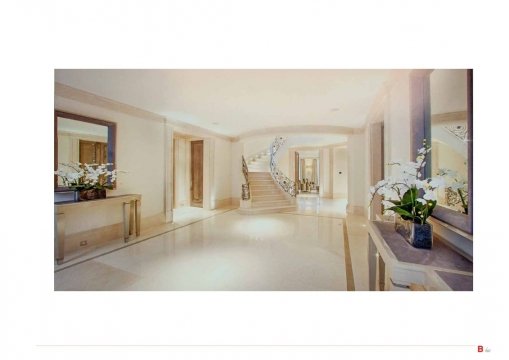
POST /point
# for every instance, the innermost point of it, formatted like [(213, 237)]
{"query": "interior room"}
[(265, 180)]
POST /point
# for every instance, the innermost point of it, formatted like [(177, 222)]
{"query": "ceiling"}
[(234, 102)]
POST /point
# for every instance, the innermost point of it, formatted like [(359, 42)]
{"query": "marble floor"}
[(316, 247)]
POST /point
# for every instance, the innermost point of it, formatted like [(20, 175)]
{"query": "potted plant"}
[(412, 198), (90, 181)]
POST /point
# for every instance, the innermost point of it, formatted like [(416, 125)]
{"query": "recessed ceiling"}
[(233, 102)]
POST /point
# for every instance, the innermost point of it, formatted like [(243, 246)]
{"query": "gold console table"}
[(131, 207)]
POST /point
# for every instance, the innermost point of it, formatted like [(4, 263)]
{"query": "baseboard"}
[(98, 236), (223, 203), (326, 195), (235, 201), (355, 210), (340, 195)]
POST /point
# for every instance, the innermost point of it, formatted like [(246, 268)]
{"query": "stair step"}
[(256, 193), (275, 203), (254, 176), (277, 196), (265, 210), (256, 189), (261, 181)]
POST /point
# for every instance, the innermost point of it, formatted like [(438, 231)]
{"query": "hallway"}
[(302, 250)]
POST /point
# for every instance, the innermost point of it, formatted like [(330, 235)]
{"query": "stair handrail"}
[(246, 192), (287, 184)]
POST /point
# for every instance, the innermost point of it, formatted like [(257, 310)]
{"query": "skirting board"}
[(356, 210), (222, 203), (340, 195)]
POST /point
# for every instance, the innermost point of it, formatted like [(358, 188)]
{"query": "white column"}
[(209, 195), (168, 164)]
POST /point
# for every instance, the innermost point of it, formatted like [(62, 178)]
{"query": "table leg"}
[(131, 217), (372, 264), (127, 212), (60, 238), (138, 217), (381, 273)]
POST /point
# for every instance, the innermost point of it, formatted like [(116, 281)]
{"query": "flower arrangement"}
[(78, 176), (410, 196)]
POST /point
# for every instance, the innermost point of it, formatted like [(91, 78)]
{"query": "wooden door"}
[(93, 152), (197, 173)]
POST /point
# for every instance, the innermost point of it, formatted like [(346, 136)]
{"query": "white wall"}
[(283, 161), (237, 179), (222, 189), (397, 125), (139, 152), (356, 158), (325, 188), (340, 165), (253, 146), (182, 166)]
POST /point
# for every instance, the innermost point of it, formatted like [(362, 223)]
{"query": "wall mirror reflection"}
[(449, 136), (81, 139)]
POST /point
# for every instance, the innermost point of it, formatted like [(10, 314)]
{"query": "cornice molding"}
[(85, 97), (445, 118), (82, 96), (297, 129)]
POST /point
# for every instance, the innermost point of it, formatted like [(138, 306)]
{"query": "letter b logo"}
[(480, 348)]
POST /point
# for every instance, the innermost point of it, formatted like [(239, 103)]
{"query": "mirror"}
[(82, 139), (449, 135), (441, 113)]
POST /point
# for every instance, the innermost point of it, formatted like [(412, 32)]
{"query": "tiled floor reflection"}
[(229, 251)]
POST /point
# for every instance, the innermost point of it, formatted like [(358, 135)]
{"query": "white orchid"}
[(87, 176), (402, 195)]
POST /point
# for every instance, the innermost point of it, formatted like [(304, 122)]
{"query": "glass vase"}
[(417, 235)]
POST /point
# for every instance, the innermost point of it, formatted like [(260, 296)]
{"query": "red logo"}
[(480, 348)]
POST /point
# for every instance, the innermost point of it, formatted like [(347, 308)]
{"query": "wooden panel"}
[(197, 173), (93, 152)]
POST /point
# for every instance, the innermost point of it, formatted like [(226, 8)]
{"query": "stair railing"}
[(287, 184), (246, 192)]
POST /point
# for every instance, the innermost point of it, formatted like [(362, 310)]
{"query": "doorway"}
[(197, 173)]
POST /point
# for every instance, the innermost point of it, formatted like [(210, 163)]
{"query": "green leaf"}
[(404, 213), (410, 196)]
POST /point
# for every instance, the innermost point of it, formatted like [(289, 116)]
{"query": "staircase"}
[(259, 162), (266, 195)]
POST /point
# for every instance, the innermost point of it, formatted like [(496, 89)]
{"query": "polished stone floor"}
[(301, 250)]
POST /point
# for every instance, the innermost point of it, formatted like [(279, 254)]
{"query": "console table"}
[(397, 265), (130, 205)]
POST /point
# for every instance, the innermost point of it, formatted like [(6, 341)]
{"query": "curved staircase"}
[(266, 194)]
